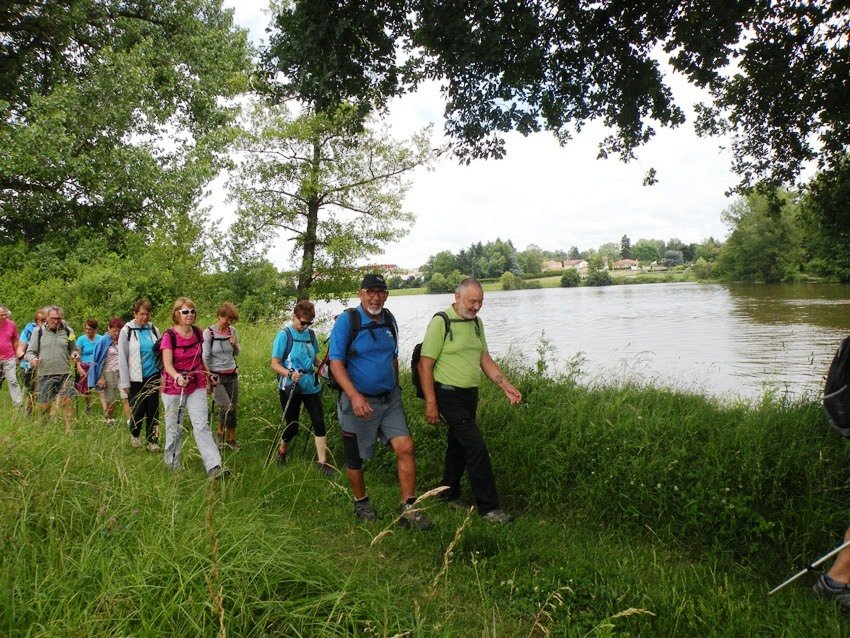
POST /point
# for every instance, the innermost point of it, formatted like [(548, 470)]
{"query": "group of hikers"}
[(136, 364), (139, 366)]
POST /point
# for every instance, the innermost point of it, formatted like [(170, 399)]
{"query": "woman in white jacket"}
[(139, 375)]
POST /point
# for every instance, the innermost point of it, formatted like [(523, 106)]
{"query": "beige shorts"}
[(110, 391)]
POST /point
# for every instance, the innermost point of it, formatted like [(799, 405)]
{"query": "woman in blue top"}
[(138, 374), (86, 342), (295, 355)]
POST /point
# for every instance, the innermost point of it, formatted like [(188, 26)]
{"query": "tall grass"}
[(639, 512)]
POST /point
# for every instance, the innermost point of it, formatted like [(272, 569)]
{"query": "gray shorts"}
[(387, 421), (51, 385)]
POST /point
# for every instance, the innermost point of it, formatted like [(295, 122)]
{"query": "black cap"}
[(373, 280)]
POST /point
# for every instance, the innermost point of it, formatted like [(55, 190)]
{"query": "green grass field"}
[(640, 512)]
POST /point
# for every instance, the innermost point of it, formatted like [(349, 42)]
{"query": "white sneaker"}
[(154, 447), (135, 442)]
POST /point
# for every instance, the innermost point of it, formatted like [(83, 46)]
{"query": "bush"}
[(570, 278), (598, 278), (510, 281)]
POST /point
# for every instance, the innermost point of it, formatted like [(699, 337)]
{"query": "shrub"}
[(570, 278)]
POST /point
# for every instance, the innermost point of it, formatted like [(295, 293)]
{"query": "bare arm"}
[(359, 403), (426, 380), (491, 369), (170, 370)]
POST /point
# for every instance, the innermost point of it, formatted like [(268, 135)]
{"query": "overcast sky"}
[(541, 193)]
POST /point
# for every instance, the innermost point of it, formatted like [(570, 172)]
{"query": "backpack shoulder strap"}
[(37, 349), (314, 341), (353, 327), (288, 347), (446, 321), (389, 320)]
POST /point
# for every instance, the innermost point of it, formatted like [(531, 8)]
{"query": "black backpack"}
[(157, 346), (836, 392), (388, 321), (417, 349)]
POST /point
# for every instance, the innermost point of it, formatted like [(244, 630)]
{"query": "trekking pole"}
[(810, 567), (279, 431), (180, 405), (181, 402)]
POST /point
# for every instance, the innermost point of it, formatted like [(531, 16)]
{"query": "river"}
[(732, 341)]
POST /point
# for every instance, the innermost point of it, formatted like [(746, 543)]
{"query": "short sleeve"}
[(432, 344), (338, 343)]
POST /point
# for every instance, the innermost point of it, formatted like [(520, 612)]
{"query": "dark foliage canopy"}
[(776, 71), (110, 110)]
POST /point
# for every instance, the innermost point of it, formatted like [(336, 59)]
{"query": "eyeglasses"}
[(305, 323), (187, 311), (376, 293)]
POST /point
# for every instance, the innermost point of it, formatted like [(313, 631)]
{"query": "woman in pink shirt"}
[(185, 382)]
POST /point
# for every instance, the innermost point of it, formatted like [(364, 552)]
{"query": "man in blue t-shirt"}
[(365, 366)]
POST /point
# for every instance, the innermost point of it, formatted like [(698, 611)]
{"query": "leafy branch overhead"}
[(112, 111), (776, 71)]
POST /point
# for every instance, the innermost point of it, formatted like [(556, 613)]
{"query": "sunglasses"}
[(305, 323), (187, 311)]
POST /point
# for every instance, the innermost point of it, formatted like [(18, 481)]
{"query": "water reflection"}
[(720, 340)]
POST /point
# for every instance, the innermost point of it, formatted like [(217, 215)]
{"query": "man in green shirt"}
[(454, 352)]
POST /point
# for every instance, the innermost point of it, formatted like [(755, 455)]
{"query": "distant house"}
[(626, 264), (553, 264), (578, 264)]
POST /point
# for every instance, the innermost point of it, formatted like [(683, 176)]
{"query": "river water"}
[(732, 341)]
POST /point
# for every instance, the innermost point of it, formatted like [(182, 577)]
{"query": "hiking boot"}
[(413, 518), (327, 470), (281, 455), (363, 511), (232, 445), (219, 440), (154, 447), (135, 442), (218, 472), (110, 423), (838, 592), (497, 516)]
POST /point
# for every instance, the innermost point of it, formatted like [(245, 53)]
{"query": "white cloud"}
[(552, 196)]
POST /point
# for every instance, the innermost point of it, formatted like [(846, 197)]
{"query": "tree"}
[(609, 251), (708, 249), (625, 247), (112, 112), (541, 64), (597, 272), (648, 250), (443, 262), (673, 258), (337, 194), (826, 218), (764, 243), (574, 253), (530, 260)]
